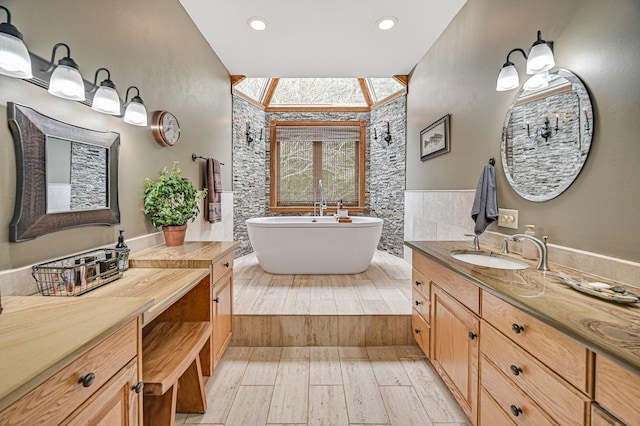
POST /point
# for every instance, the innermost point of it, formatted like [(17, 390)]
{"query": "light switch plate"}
[(508, 218)]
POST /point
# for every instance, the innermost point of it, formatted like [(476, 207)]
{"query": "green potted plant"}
[(170, 202)]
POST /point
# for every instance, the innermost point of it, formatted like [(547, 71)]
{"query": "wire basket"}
[(78, 274)]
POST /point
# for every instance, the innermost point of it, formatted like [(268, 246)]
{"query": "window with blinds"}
[(303, 154)]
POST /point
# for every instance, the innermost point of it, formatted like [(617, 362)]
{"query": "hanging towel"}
[(485, 207), (214, 191)]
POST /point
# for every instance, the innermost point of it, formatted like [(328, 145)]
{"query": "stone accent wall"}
[(250, 170), (386, 173), (88, 177), (384, 168)]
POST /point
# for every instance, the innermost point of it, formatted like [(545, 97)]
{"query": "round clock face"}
[(165, 128)]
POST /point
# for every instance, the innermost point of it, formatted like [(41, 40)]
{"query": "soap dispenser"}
[(122, 253), (529, 250)]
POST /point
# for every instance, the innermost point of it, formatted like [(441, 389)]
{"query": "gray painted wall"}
[(152, 44), (599, 41)]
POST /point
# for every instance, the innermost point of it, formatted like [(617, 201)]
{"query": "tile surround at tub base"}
[(322, 330)]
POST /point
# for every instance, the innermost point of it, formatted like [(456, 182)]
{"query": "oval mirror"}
[(547, 136)]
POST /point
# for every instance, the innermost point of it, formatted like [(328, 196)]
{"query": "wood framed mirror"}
[(66, 176)]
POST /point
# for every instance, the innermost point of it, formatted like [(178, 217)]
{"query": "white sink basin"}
[(488, 259)]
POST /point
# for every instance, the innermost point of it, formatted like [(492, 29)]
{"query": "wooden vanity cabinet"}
[(106, 396), (618, 391), (545, 366), (455, 349), (448, 312), (218, 258), (421, 302), (222, 305)]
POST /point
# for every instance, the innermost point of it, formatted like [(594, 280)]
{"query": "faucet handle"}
[(476, 243)]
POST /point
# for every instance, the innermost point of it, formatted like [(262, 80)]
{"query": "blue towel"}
[(485, 206)]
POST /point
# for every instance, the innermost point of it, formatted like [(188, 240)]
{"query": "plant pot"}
[(174, 235)]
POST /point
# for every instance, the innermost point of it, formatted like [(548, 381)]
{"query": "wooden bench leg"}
[(191, 393), (160, 410)]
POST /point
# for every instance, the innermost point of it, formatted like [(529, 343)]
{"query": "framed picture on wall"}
[(434, 139)]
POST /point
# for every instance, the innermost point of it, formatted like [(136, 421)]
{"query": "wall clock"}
[(165, 128)]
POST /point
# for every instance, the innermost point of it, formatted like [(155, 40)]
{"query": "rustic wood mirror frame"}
[(30, 220)]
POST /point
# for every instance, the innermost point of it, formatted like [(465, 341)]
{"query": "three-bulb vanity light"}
[(64, 79), (539, 61)]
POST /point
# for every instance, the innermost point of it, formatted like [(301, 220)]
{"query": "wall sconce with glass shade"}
[(14, 56), (135, 113), (66, 81), (105, 99), (539, 61)]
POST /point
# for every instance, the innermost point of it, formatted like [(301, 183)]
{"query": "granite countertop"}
[(607, 328)]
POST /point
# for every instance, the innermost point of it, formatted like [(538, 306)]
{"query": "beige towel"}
[(214, 191)]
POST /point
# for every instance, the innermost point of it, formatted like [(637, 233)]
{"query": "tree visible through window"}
[(305, 153)]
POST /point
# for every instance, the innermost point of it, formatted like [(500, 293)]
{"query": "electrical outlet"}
[(508, 218)]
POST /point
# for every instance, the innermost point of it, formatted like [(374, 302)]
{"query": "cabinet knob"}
[(515, 410), (417, 330), (87, 380), (418, 302), (472, 335), (138, 387), (418, 283), (217, 300), (515, 370), (226, 264), (517, 328)]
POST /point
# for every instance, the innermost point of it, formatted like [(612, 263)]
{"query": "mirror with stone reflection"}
[(76, 175), (66, 176), (547, 136)]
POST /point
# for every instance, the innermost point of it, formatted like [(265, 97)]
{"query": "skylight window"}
[(318, 91), (381, 88), (253, 87)]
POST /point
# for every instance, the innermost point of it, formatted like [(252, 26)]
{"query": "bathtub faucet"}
[(320, 202)]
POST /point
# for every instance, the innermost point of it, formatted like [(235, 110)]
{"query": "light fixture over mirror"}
[(135, 113), (106, 99), (14, 56), (66, 81), (539, 61)]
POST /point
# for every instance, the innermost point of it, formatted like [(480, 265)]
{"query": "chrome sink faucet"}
[(540, 245), (476, 242), (321, 202)]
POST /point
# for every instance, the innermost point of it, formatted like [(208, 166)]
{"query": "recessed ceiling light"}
[(257, 23), (386, 23)]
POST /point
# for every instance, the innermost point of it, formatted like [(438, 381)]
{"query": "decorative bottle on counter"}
[(529, 250), (123, 253)]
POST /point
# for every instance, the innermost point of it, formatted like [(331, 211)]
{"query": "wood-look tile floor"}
[(326, 385), (383, 289)]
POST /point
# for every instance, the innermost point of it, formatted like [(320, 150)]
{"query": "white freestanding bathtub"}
[(313, 244)]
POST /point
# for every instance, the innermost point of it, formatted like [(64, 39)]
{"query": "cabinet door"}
[(454, 347), (222, 311), (115, 404)]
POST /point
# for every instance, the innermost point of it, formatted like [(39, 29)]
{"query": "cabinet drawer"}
[(52, 401), (490, 412), (421, 283), (420, 304), (221, 267), (421, 331), (618, 390), (540, 340), (463, 290), (559, 399), (518, 406)]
